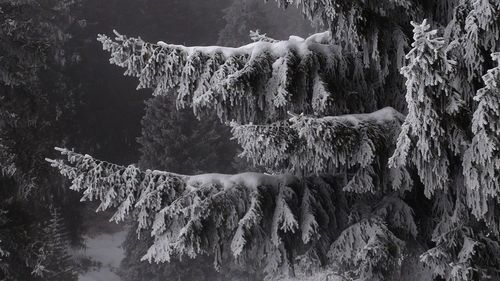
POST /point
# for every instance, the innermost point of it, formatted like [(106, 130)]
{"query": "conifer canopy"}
[(380, 138)]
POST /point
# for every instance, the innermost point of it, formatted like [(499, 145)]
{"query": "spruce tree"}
[(360, 128), (175, 141), (244, 16), (36, 102), (54, 261)]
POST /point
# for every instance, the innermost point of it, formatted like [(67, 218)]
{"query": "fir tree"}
[(174, 140), (482, 158), (347, 172), (244, 16), (53, 260), (36, 102)]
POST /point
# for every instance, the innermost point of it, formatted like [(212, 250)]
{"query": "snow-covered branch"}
[(310, 145), (431, 133), (248, 213), (244, 83), (482, 158), (247, 216)]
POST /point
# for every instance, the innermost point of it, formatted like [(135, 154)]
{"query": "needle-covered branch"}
[(248, 216), (328, 145), (245, 83), (482, 158), (207, 213)]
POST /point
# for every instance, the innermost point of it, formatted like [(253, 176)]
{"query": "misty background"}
[(83, 102)]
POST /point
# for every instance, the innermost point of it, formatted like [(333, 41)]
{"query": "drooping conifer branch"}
[(430, 134), (258, 81), (346, 19), (371, 249), (192, 215), (482, 158), (250, 215), (306, 145)]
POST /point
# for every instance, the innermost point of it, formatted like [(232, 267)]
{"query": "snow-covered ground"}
[(105, 249), (101, 257)]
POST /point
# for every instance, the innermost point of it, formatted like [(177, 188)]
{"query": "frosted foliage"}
[(345, 18), (474, 31), (255, 35), (482, 158), (482, 29), (461, 251), (456, 258), (4, 253), (309, 226), (52, 260), (254, 215), (7, 165), (425, 140), (397, 214), (458, 271), (336, 206), (368, 250), (310, 145), (437, 259), (262, 79)]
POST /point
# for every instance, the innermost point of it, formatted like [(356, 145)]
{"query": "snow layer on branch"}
[(258, 81), (316, 42), (250, 180), (327, 145), (250, 215)]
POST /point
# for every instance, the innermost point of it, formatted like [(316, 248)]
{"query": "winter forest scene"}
[(249, 140)]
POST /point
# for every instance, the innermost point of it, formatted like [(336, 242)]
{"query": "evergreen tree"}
[(243, 16), (31, 250), (174, 140), (53, 259), (36, 102), (347, 171), (33, 35)]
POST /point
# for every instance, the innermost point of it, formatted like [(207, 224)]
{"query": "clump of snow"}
[(249, 179), (380, 116), (318, 42)]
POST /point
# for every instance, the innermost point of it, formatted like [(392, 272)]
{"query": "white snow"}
[(249, 179), (380, 116), (318, 42)]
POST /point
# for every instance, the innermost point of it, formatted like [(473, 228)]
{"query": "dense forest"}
[(58, 89), (250, 139)]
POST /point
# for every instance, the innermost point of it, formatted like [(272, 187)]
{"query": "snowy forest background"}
[(57, 88), (375, 142)]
